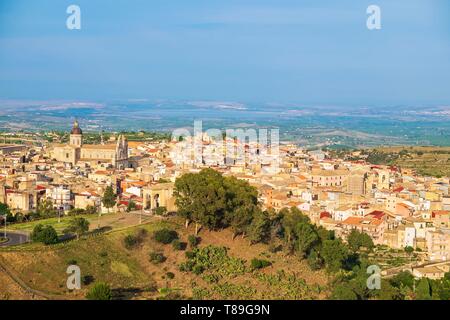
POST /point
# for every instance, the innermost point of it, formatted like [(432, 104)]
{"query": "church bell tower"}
[(76, 135)]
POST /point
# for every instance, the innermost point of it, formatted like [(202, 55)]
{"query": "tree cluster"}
[(214, 201), (45, 234)]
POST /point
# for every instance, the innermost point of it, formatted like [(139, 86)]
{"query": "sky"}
[(278, 51)]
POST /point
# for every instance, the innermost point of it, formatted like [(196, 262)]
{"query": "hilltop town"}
[(399, 209)]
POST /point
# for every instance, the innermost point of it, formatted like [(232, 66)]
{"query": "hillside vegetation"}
[(132, 274), (427, 161), (219, 245)]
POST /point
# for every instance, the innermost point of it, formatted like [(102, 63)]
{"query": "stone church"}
[(76, 151)]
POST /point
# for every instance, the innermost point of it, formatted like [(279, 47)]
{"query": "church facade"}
[(74, 152)]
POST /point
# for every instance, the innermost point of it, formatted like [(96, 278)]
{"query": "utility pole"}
[(98, 220), (4, 232)]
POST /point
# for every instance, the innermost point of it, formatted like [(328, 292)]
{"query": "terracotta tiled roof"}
[(439, 213), (357, 221), (324, 214), (376, 214)]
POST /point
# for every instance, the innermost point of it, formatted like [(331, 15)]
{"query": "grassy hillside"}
[(131, 274)]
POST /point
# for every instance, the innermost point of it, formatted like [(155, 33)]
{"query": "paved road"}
[(14, 238)]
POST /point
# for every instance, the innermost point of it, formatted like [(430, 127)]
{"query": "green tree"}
[(214, 201), (109, 198), (334, 253), (259, 229), (325, 234), (315, 261), (131, 206), (241, 204), (290, 218), (45, 208), (402, 279), (306, 237), (78, 226), (389, 292), (423, 290), (444, 289), (409, 249), (45, 234), (165, 236), (366, 241), (4, 209), (357, 239), (343, 292), (193, 241), (201, 197), (241, 220), (99, 291)]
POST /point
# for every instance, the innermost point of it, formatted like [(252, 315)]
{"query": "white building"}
[(61, 196)]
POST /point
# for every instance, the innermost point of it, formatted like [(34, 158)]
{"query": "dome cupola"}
[(76, 128)]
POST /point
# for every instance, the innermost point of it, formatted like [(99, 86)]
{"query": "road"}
[(14, 238)]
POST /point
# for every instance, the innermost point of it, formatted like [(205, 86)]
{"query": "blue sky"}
[(309, 52)]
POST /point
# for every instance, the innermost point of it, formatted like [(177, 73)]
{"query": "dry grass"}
[(433, 161), (132, 275)]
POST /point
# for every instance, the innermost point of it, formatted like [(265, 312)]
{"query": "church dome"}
[(76, 128)]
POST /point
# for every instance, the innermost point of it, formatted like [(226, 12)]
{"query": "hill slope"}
[(132, 276)]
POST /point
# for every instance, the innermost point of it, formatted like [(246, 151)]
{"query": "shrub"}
[(165, 236), (87, 280), (187, 266), (214, 259), (409, 249), (211, 278), (131, 206), (156, 257), (189, 254), (178, 245), (90, 210), (170, 275), (193, 241), (315, 262), (45, 234), (78, 226), (259, 263), (197, 269), (100, 291), (160, 211), (76, 212), (130, 241), (103, 254)]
